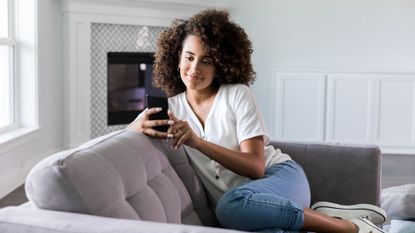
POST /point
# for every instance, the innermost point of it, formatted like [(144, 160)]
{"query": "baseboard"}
[(9, 182)]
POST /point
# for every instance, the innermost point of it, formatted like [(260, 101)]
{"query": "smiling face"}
[(196, 68)]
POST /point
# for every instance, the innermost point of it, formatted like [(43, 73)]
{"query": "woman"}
[(203, 65)]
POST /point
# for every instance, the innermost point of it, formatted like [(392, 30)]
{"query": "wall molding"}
[(13, 180), (82, 6), (359, 107), (289, 116)]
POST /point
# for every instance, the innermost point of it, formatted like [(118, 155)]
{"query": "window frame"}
[(11, 43), (24, 24)]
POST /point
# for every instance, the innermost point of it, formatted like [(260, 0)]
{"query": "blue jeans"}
[(273, 203)]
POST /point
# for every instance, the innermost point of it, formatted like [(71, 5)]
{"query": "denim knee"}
[(229, 206), (243, 208)]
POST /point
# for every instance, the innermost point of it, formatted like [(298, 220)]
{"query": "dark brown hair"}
[(225, 42)]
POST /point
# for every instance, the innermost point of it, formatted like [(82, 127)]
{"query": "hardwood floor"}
[(14, 198), (396, 170)]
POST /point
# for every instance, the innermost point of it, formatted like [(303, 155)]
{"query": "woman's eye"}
[(207, 61), (188, 58)]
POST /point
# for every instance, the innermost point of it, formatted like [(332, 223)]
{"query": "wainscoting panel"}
[(367, 108), (396, 111), (349, 108), (300, 106)]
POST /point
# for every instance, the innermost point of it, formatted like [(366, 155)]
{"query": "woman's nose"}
[(195, 68)]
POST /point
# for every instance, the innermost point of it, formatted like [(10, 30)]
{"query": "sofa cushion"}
[(399, 202), (200, 198), (122, 174), (338, 172), (23, 220)]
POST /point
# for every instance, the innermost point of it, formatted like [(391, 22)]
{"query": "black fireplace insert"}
[(129, 80)]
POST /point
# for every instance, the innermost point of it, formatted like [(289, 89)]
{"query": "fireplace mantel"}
[(103, 6), (77, 20)]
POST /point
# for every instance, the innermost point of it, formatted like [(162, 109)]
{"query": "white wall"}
[(375, 36), (19, 157)]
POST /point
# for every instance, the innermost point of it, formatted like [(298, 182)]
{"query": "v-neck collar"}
[(193, 114)]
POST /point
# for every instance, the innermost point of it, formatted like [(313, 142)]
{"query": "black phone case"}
[(161, 102)]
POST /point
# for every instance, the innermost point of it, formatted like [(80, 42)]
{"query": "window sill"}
[(16, 137)]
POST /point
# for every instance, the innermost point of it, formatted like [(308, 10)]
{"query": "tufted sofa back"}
[(123, 175)]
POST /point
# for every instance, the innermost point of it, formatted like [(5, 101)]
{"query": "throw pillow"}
[(399, 202)]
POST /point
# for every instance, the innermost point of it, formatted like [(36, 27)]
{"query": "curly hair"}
[(225, 42)]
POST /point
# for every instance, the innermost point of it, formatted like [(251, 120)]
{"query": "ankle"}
[(352, 228)]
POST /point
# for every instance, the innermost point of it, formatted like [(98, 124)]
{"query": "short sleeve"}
[(249, 121)]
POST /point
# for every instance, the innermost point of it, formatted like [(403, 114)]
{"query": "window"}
[(7, 49)]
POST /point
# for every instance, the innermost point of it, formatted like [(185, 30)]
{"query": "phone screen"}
[(161, 102)]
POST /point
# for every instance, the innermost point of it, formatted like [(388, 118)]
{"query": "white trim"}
[(343, 70), (6, 129), (10, 42), (12, 20), (413, 113), (332, 81), (397, 150), (281, 80), (374, 102), (90, 6), (383, 80), (7, 41), (26, 65), (24, 75), (12, 181), (12, 84), (16, 137)]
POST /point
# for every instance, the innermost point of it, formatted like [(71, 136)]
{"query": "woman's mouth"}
[(194, 77)]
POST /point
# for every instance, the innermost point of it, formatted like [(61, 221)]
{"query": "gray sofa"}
[(126, 182)]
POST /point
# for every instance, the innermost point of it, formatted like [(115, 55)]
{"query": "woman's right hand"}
[(144, 125)]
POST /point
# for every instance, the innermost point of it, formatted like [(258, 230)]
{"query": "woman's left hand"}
[(183, 133)]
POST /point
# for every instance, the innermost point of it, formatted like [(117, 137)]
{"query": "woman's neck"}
[(201, 96), (201, 103)]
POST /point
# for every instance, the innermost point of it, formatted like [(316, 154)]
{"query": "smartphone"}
[(160, 102)]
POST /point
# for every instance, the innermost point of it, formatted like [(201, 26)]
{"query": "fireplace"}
[(119, 53), (92, 30), (129, 80)]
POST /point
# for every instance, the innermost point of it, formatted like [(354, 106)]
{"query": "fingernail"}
[(158, 109), (170, 122), (176, 147), (170, 135)]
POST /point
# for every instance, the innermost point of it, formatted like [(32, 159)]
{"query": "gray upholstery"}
[(181, 164), (127, 175), (121, 175), (340, 173), (26, 220)]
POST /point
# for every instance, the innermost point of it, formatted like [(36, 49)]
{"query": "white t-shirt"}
[(233, 118)]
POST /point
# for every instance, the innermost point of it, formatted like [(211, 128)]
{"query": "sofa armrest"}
[(340, 173), (19, 219)]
